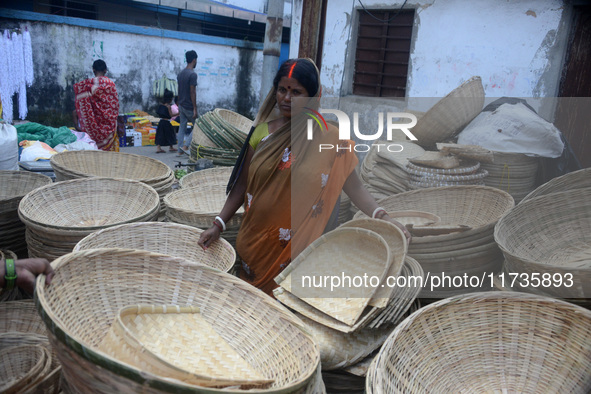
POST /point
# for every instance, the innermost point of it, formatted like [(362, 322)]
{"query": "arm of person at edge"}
[(365, 201), (26, 272), (194, 100), (233, 202)]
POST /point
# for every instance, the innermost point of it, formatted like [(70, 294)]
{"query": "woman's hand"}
[(26, 271), (209, 236), (401, 226)]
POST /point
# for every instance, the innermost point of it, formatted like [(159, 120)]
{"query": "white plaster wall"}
[(64, 54), (510, 44)]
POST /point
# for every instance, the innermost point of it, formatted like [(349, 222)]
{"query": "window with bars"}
[(383, 53)]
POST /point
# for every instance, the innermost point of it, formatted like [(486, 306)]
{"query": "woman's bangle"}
[(215, 223), (377, 211), (221, 221)]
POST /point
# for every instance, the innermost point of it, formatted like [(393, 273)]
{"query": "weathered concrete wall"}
[(228, 77), (517, 48)]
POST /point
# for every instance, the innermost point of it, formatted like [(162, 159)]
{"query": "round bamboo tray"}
[(15, 185), (487, 342), (167, 238), (91, 286), (514, 173), (580, 179), (218, 176), (450, 114), (88, 163), (198, 206), (550, 236), (59, 215)]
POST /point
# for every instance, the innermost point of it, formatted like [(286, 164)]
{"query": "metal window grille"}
[(383, 53)]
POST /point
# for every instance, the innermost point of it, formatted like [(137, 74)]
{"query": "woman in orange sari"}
[(97, 108), (287, 185)]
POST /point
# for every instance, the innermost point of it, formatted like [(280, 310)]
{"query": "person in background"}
[(22, 273), (165, 135), (187, 102), (288, 187), (97, 108)]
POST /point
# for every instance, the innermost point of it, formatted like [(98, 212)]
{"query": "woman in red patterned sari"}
[(97, 108)]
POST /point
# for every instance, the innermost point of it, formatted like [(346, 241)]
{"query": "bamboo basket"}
[(167, 238), (15, 185), (59, 215), (450, 114), (547, 236), (177, 342), (91, 286), (580, 179), (514, 173), (487, 342), (22, 367), (359, 252), (218, 176)]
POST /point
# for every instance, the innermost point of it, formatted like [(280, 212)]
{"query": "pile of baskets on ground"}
[(218, 135), (59, 215), (28, 364), (14, 186), (83, 164), (200, 199)]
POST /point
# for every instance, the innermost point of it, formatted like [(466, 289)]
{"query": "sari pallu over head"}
[(97, 106), (291, 191)]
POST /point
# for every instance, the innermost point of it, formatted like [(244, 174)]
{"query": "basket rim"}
[(54, 162), (26, 219), (28, 174), (521, 207), (56, 328)]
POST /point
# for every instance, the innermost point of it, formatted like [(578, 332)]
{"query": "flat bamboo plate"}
[(343, 253)]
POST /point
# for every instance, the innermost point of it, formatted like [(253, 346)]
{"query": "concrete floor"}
[(169, 158)]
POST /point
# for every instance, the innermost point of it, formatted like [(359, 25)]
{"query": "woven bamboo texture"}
[(167, 238), (487, 342), (359, 252), (416, 218), (580, 179), (59, 215), (450, 114), (550, 235), (397, 244), (82, 164), (198, 206), (179, 343), (15, 185), (22, 366), (91, 286), (473, 251), (514, 173), (372, 317), (217, 176)]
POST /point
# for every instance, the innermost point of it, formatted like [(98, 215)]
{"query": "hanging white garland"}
[(19, 57), (28, 54), (5, 77)]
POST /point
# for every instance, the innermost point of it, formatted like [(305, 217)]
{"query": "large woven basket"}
[(574, 180), (450, 114), (198, 206), (217, 176), (167, 238), (91, 286), (550, 237), (86, 163), (487, 342), (21, 325), (472, 252), (14, 185), (59, 215), (21, 367), (514, 173)]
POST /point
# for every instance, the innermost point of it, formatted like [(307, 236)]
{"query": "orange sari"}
[(291, 191)]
